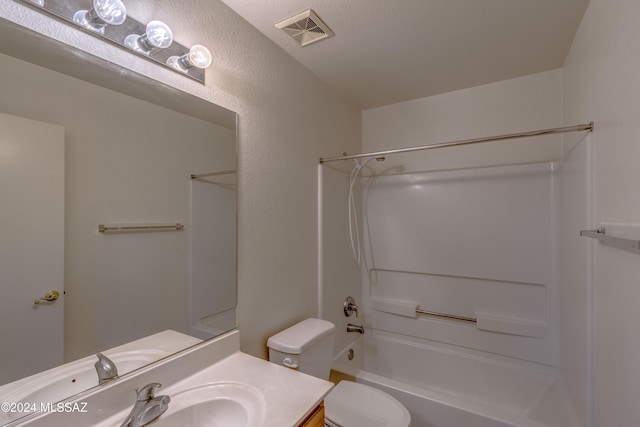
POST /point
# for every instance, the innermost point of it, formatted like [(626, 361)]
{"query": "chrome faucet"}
[(355, 328), (147, 408), (105, 368), (350, 307)]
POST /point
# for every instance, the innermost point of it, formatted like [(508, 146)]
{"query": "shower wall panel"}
[(339, 273), (472, 243)]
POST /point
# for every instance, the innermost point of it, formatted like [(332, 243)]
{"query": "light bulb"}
[(157, 35), (198, 56), (104, 12)]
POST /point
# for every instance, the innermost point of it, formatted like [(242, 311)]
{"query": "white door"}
[(31, 246)]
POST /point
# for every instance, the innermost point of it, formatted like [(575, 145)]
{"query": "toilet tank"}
[(306, 346)]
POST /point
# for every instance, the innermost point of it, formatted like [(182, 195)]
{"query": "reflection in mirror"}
[(75, 155)]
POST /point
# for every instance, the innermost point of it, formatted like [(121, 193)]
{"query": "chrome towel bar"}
[(137, 228), (203, 175)]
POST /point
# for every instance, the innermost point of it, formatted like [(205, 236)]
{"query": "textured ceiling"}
[(388, 51)]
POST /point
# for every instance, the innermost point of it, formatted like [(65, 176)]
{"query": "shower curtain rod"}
[(576, 128)]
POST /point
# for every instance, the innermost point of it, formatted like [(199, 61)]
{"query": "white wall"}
[(287, 120), (526, 103), (601, 82)]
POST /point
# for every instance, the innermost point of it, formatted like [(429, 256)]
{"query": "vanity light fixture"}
[(157, 35), (103, 13), (198, 57), (108, 20)]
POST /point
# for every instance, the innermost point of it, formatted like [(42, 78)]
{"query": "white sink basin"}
[(60, 383), (221, 404)]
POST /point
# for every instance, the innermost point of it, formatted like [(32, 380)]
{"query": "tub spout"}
[(355, 328)]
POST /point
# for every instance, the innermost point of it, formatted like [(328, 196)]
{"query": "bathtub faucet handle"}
[(350, 307)]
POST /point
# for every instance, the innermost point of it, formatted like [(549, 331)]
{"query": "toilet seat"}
[(352, 404)]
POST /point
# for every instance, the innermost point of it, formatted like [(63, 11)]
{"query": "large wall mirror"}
[(84, 143)]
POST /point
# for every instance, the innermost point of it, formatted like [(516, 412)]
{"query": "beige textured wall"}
[(287, 120)]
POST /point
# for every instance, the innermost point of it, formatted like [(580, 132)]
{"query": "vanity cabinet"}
[(316, 418)]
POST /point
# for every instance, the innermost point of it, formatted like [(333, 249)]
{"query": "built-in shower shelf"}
[(617, 239)]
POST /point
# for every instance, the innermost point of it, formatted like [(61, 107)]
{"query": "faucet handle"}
[(147, 392), (350, 307)]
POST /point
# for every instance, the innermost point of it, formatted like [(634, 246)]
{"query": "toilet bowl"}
[(308, 347)]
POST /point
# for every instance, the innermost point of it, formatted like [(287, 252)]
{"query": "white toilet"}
[(308, 347)]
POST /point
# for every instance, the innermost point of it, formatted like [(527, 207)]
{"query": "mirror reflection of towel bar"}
[(133, 228), (203, 175)]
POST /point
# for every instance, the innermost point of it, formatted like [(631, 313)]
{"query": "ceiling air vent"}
[(305, 28)]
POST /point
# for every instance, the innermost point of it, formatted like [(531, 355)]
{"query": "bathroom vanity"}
[(316, 418), (213, 380)]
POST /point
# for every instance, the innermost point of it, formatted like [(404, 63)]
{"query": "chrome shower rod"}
[(576, 128)]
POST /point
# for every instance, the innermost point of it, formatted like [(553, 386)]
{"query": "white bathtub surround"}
[(444, 385), (474, 243), (478, 243), (473, 233), (287, 396)]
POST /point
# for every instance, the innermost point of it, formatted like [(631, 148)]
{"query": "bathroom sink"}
[(220, 404), (59, 383)]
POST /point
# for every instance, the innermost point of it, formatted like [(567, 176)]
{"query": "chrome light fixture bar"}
[(108, 20)]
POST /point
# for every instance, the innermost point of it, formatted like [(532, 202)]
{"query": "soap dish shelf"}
[(617, 241)]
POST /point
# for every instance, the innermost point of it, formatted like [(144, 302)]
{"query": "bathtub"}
[(445, 386)]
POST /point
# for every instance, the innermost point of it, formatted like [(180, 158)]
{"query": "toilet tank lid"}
[(297, 338)]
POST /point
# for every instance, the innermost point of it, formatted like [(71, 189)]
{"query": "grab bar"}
[(483, 321), (411, 309), (446, 316)]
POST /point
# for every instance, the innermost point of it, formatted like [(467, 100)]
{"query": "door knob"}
[(50, 296)]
